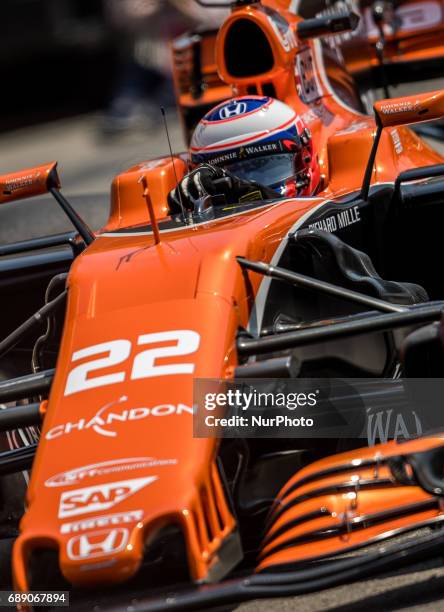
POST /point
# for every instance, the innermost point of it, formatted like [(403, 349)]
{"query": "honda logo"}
[(234, 109), (97, 544)]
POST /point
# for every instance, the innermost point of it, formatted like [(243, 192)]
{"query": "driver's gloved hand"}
[(208, 180)]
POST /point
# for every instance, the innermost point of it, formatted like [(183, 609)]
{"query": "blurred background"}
[(83, 82)]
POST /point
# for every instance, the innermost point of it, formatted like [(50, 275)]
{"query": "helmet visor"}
[(268, 170)]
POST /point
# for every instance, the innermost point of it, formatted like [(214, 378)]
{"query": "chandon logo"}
[(105, 422), (100, 497)]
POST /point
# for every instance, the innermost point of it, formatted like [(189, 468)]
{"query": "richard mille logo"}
[(347, 217)]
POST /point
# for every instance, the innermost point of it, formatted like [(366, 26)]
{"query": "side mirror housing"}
[(331, 24), (410, 109), (401, 111), (28, 183)]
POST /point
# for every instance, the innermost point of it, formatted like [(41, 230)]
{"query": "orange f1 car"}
[(105, 332)]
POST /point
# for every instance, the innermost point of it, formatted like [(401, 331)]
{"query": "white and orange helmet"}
[(260, 139)]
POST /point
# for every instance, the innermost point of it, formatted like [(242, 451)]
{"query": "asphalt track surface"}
[(417, 590), (87, 164)]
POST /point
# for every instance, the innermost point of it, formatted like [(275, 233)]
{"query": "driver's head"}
[(259, 139)]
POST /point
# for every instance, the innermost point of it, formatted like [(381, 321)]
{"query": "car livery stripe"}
[(183, 227), (258, 136)]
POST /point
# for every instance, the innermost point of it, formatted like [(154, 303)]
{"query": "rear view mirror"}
[(401, 111), (331, 24), (37, 181), (410, 109), (28, 183)]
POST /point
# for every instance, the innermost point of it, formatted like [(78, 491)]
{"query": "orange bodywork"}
[(144, 319), (361, 512), (28, 183), (411, 109), (189, 279), (413, 34)]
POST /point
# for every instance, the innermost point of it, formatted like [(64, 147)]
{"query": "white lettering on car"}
[(104, 520), (97, 544), (100, 497), (144, 364), (113, 466), (100, 423)]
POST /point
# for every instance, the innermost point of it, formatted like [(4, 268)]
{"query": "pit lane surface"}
[(87, 164), (416, 589)]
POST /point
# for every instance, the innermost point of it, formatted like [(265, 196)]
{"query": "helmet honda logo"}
[(97, 544), (234, 109)]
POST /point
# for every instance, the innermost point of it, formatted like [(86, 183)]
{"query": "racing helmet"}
[(258, 138)]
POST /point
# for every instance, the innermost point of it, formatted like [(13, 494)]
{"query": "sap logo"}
[(104, 422), (234, 109), (97, 544), (100, 497), (385, 424), (75, 476), (105, 520)]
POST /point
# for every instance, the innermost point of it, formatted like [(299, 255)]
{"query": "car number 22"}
[(115, 352)]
